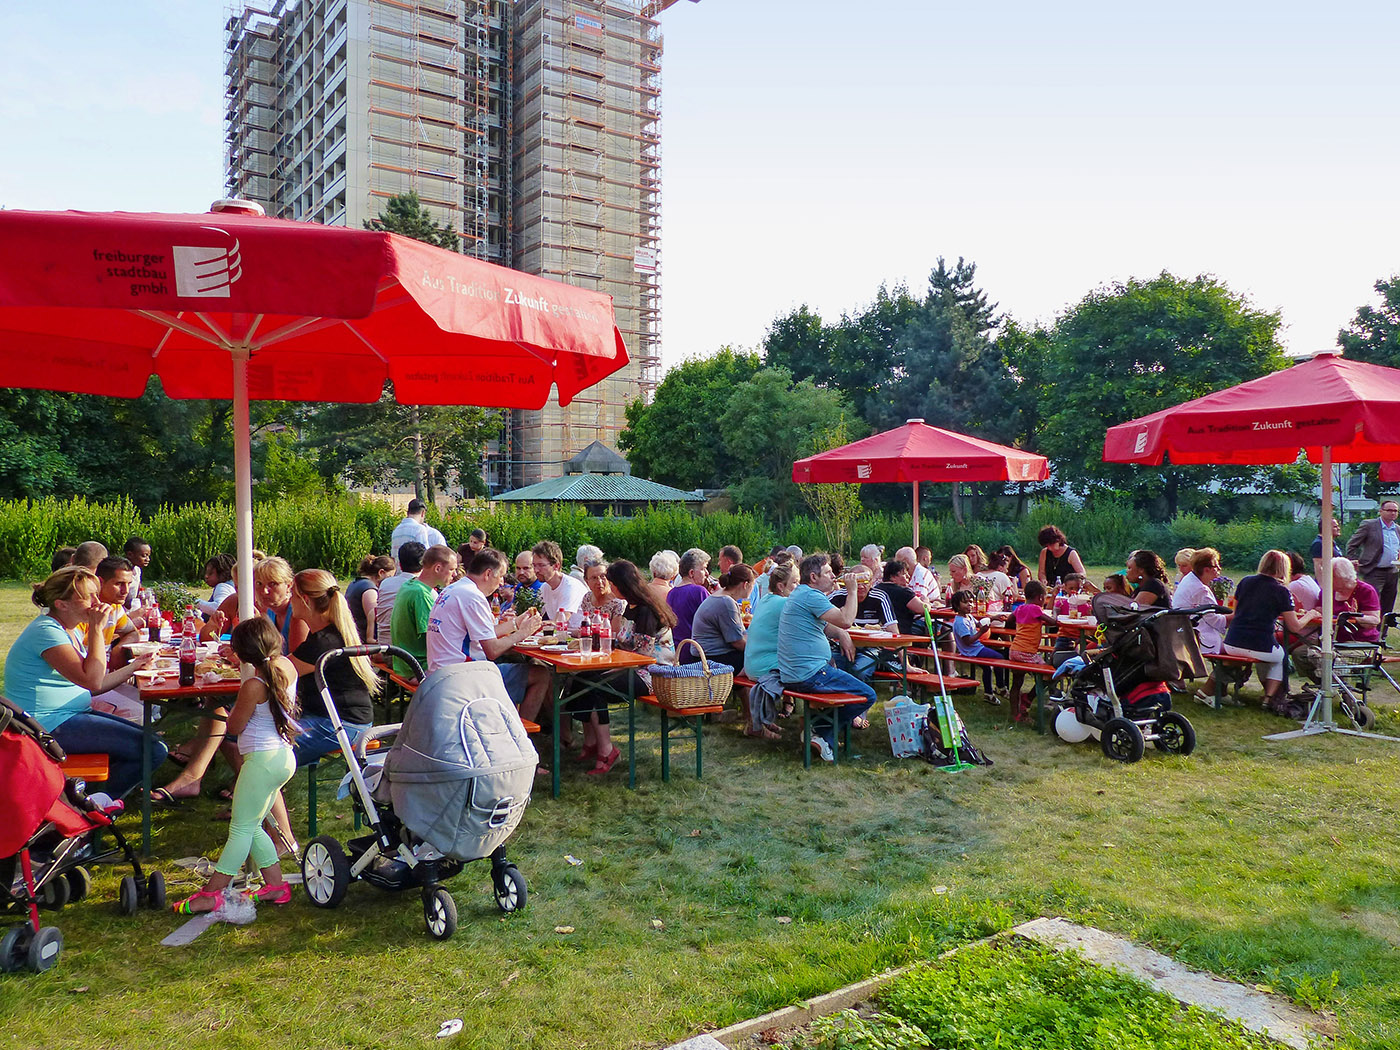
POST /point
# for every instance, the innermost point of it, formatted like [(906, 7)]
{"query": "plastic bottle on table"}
[(585, 636), (153, 620), (188, 647), (604, 635)]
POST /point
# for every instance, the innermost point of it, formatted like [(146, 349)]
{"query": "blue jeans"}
[(863, 666), (92, 732), (318, 737), (516, 678), (833, 680), (987, 652)]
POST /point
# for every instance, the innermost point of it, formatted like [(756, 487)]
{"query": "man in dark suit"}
[(1375, 547)]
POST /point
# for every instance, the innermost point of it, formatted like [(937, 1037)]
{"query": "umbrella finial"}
[(912, 422), (237, 206)]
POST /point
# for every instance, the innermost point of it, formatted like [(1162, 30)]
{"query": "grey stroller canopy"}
[(461, 769)]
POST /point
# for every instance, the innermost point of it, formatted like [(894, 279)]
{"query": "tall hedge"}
[(335, 533)]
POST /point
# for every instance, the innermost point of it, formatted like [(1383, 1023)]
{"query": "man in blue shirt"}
[(1375, 546), (804, 652), (1315, 551)]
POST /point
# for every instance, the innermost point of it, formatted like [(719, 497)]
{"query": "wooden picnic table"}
[(168, 694), (566, 666)]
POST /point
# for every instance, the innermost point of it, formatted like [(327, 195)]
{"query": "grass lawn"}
[(1273, 863)]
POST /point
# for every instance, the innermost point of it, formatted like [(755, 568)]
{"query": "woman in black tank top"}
[(1057, 558)]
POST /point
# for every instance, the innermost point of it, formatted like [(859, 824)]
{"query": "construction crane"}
[(655, 7)]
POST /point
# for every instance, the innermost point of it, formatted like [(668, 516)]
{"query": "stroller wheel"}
[(44, 948), (14, 948), (1361, 716), (440, 913), (55, 894), (1122, 740), (1175, 734), (325, 873), (128, 900), (79, 884), (510, 888), (155, 891)]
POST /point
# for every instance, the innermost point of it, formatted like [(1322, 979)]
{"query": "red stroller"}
[(48, 830)]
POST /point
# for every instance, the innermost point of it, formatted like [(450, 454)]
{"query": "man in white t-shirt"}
[(560, 592), (410, 558), (462, 627), (412, 529), (922, 582)]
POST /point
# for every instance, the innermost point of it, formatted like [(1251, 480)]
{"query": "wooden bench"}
[(400, 690), (311, 792), (832, 702), (1039, 674), (928, 680), (87, 767), (687, 718)]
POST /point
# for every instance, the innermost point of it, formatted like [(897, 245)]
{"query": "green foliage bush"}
[(1025, 996), (336, 532)]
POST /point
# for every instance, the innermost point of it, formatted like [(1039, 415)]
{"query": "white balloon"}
[(1070, 729)]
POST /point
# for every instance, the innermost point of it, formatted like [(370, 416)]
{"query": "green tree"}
[(406, 215), (836, 504), (1135, 348), (674, 439), (1374, 334), (771, 422), (386, 444)]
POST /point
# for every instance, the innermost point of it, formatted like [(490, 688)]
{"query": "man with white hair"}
[(1356, 596), (921, 581), (586, 553)]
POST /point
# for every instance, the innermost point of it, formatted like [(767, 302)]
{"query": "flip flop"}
[(224, 794), (162, 797)]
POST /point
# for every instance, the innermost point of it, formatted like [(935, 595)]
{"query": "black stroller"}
[(48, 832), (450, 790), (1121, 694)]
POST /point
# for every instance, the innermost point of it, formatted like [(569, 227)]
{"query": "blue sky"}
[(815, 149)]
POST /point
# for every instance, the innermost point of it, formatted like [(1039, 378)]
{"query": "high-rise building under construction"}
[(532, 128)]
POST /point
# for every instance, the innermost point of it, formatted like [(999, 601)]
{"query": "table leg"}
[(631, 730), (556, 693), (148, 736), (665, 747), (836, 736), (699, 722), (904, 670), (312, 823), (1041, 695), (806, 735), (1219, 687)]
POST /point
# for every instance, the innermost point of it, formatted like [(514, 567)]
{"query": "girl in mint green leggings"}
[(263, 718)]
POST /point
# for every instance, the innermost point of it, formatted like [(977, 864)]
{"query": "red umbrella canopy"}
[(98, 302), (919, 452), (1351, 406)]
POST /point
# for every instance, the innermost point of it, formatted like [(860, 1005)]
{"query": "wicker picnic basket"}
[(692, 685)]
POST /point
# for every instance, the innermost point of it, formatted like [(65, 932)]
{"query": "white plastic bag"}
[(905, 720)]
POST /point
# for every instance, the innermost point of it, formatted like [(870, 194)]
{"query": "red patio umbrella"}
[(918, 452), (231, 304), (1332, 409)]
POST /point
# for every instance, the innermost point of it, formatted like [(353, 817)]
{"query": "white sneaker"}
[(822, 748)]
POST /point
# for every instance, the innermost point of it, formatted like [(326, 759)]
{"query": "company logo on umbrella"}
[(1140, 445), (205, 272), (862, 470)]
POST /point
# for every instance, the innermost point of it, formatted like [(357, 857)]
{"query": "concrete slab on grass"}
[(1257, 1011)]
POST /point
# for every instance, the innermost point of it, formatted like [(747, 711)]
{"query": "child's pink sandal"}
[(184, 907), (279, 894)]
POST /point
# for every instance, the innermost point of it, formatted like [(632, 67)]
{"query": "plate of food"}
[(142, 648), (555, 648)]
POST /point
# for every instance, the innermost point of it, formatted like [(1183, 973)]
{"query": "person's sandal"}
[(860, 722), (279, 894), (605, 764), (184, 907)]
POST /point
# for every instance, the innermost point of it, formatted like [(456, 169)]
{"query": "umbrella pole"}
[(916, 514), (242, 483), (1326, 581)]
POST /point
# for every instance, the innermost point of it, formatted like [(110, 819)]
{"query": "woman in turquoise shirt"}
[(52, 679)]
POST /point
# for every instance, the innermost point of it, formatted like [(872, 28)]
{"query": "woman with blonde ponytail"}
[(316, 600)]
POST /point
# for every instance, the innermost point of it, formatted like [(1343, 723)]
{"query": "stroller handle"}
[(349, 651)]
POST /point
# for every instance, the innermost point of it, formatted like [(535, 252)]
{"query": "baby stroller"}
[(47, 827), (450, 790), (1120, 694)]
